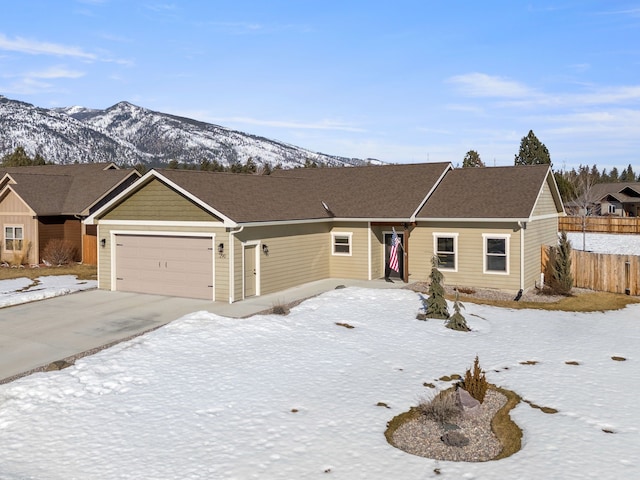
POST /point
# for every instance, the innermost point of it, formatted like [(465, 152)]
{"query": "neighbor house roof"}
[(488, 193), (63, 189), (623, 192)]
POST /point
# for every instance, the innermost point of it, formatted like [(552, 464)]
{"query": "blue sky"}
[(401, 81)]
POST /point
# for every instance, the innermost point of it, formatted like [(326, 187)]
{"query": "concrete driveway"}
[(35, 334)]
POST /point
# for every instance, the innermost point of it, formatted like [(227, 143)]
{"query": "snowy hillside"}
[(127, 134)]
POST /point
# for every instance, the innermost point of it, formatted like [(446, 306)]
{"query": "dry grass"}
[(585, 302), (442, 408), (83, 272), (509, 434)]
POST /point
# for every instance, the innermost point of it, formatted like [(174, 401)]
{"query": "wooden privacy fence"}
[(600, 224), (90, 249), (601, 271)]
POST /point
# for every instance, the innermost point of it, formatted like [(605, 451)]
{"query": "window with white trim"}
[(496, 253), (341, 243), (612, 208), (445, 247), (13, 238)]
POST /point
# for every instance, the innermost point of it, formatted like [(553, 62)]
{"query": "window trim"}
[(436, 236), (503, 236), (348, 236), (13, 238)]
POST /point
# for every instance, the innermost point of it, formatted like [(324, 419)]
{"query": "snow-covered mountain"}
[(127, 134)]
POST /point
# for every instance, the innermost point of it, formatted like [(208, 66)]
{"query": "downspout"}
[(369, 249), (523, 226), (232, 264)]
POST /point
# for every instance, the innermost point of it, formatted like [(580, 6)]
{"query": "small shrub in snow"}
[(475, 382), (457, 320), (59, 252)]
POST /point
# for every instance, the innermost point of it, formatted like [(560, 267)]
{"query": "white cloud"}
[(34, 47), (483, 85), (55, 72)]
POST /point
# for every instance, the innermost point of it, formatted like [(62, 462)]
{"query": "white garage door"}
[(165, 265)]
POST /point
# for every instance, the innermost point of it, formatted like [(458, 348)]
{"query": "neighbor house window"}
[(13, 237), (445, 247), (341, 243), (496, 253), (612, 208)]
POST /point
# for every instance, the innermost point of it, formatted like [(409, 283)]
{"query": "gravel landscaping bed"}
[(422, 436)]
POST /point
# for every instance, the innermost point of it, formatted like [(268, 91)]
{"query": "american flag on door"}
[(393, 254)]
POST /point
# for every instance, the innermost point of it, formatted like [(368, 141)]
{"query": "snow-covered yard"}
[(606, 243), (21, 290), (289, 397)]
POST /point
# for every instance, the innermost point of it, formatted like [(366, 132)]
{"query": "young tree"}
[(472, 159), (436, 303), (457, 320), (532, 151), (561, 280), (585, 198)]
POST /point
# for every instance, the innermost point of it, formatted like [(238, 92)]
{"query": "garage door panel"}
[(165, 265)]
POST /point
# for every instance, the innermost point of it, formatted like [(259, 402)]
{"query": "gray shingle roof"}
[(601, 190), (64, 189), (376, 192), (487, 193)]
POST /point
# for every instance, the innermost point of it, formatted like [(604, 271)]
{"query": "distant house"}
[(41, 203), (617, 199), (226, 237)]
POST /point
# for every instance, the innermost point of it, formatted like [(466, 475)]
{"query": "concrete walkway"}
[(33, 335)]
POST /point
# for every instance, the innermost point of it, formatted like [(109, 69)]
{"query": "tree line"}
[(533, 152)]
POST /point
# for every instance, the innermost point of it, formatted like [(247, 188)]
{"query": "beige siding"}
[(377, 252), (156, 201), (355, 265), (539, 232), (221, 264), (297, 254), (13, 212), (546, 204), (470, 255)]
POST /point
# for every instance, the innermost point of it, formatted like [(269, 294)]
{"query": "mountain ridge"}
[(127, 134)]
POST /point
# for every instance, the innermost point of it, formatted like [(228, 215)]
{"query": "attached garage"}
[(179, 266)]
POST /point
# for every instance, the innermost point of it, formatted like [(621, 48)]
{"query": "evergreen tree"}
[(436, 303), (457, 320), (560, 260), (532, 151), (19, 158), (614, 176), (472, 159)]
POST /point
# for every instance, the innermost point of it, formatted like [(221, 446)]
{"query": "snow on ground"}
[(291, 397), (22, 290), (606, 243)]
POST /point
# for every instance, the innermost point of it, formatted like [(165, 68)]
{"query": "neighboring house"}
[(226, 237), (45, 202), (617, 199)]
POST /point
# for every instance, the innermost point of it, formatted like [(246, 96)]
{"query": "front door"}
[(387, 251), (249, 270)]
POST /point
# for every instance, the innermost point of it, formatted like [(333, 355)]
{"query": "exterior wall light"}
[(265, 249), (103, 242), (221, 249)]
